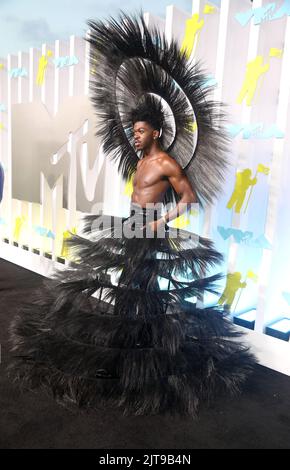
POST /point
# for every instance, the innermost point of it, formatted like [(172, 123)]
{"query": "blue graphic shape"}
[(252, 130), (260, 14), (264, 13), (262, 242), (283, 10), (244, 18), (234, 129), (238, 235), (286, 296), (50, 235), (272, 131), (18, 72), (65, 61)]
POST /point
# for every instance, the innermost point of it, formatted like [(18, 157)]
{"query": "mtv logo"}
[(53, 146)]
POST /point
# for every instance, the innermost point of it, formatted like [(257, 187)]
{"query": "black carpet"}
[(258, 419)]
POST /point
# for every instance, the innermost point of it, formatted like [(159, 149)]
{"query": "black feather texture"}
[(130, 63), (132, 345)]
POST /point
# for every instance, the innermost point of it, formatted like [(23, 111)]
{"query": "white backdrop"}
[(55, 169)]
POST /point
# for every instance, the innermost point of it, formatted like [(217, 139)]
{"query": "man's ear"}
[(155, 134)]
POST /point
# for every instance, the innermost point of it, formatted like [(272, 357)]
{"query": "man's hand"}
[(155, 224)]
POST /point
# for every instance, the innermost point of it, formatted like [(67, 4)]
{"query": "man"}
[(157, 170), (152, 353)]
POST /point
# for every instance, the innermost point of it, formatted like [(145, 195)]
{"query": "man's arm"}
[(182, 186), (179, 181)]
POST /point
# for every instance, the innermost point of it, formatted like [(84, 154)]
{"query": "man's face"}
[(143, 135)]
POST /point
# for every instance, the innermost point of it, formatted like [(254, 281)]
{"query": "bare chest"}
[(148, 174)]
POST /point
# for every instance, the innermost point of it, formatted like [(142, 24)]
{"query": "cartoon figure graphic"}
[(233, 284), (65, 252), (275, 52), (209, 10), (193, 25), (254, 70), (243, 182), (20, 221), (42, 65)]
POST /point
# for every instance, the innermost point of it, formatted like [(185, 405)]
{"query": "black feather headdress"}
[(130, 63)]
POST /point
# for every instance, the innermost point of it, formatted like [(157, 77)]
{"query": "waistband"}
[(150, 209)]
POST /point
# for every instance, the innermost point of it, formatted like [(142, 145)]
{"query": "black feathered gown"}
[(151, 352)]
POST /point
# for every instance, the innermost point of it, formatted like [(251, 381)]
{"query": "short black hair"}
[(149, 109)]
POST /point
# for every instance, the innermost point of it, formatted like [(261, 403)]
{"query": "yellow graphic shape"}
[(42, 65), (209, 9), (255, 69), (66, 235), (129, 186), (242, 184), (252, 275), (181, 222), (20, 221), (233, 284), (1, 66), (263, 169), (260, 169), (274, 52), (1, 126), (194, 212), (193, 25)]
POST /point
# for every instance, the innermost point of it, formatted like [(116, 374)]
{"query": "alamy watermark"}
[(140, 222)]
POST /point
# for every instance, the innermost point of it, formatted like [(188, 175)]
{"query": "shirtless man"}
[(156, 171)]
